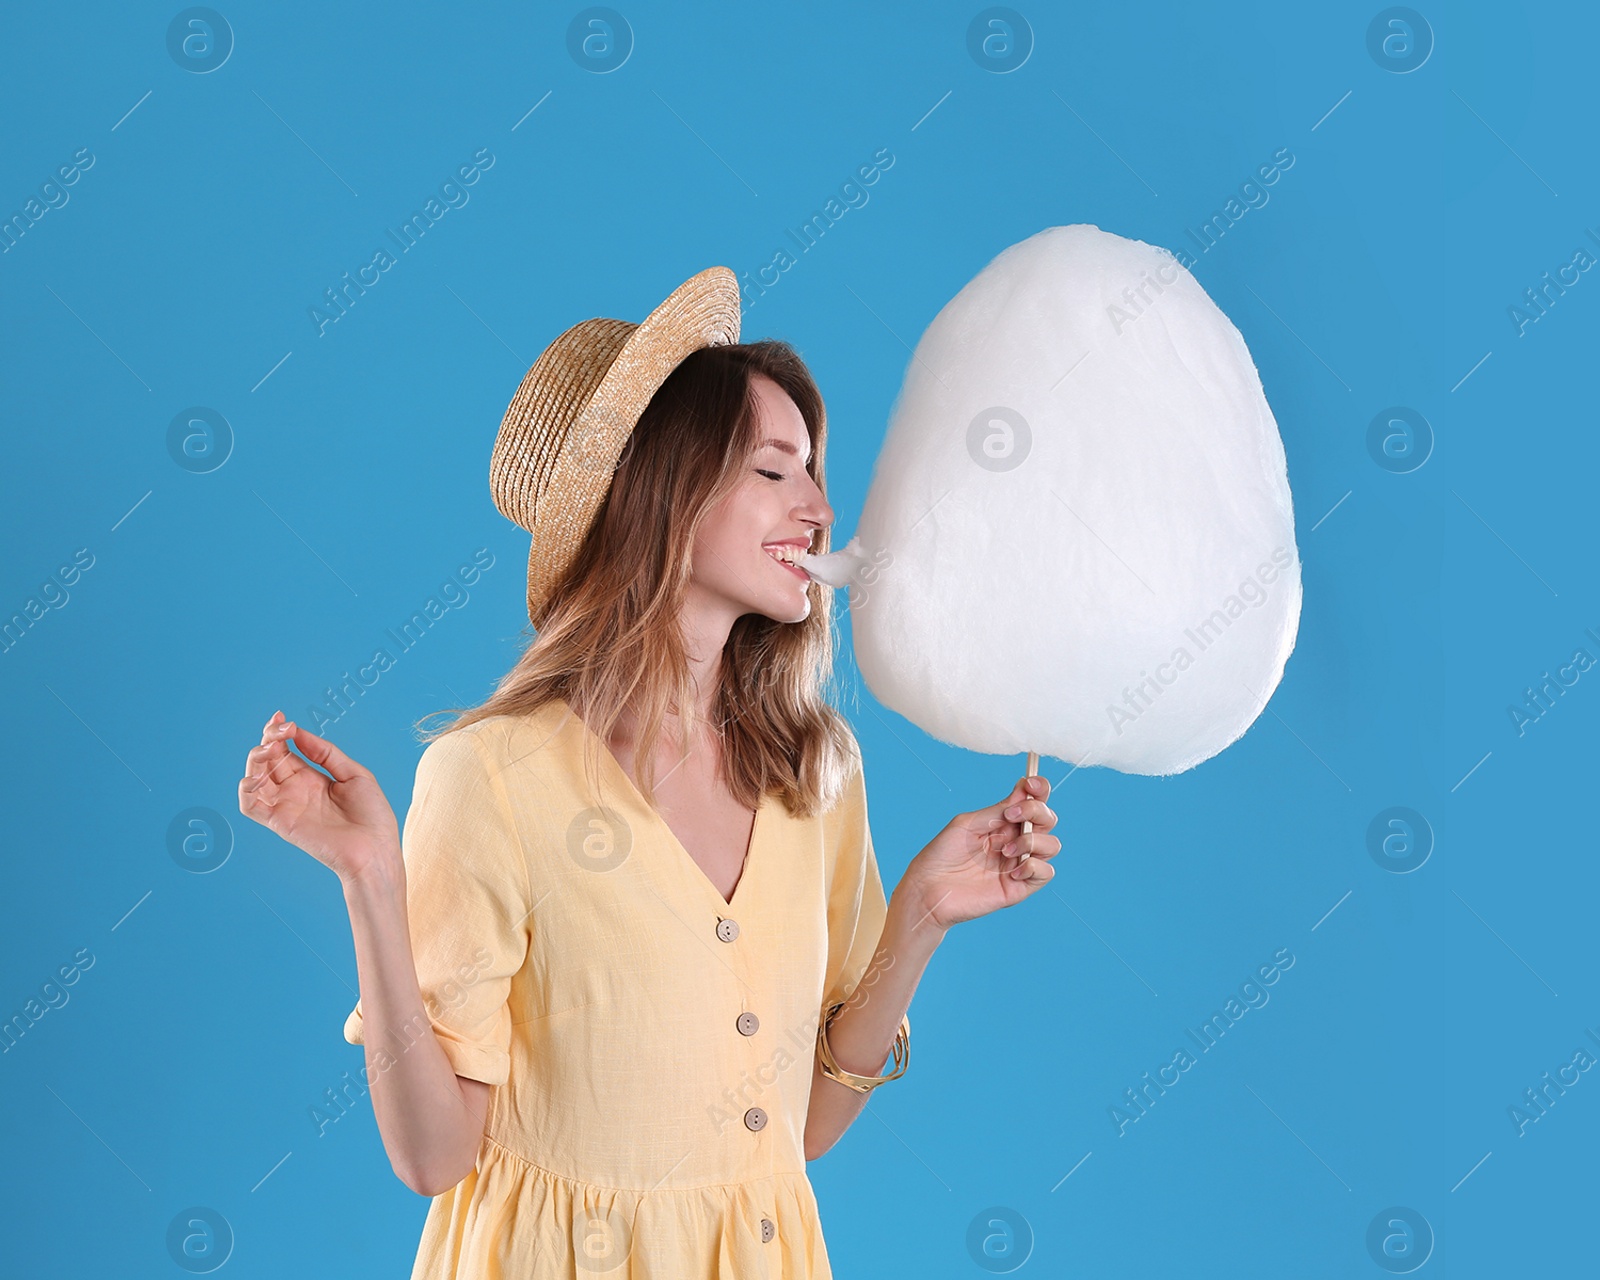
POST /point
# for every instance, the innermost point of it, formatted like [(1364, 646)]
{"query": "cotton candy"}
[(1079, 538)]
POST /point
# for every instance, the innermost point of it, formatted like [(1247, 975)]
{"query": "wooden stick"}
[(1033, 769)]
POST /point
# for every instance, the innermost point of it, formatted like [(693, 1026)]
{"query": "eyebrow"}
[(772, 442)]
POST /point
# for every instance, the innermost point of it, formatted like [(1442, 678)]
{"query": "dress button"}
[(747, 1024), (755, 1119), (727, 930), (767, 1230)]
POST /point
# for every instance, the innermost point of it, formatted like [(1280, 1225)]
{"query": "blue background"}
[(182, 272)]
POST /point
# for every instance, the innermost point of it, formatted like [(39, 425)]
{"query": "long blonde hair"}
[(611, 639)]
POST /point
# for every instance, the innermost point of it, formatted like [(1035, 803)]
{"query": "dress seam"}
[(499, 787), (640, 1191)]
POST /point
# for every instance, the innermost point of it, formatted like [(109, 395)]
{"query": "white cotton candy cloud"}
[(1079, 538)]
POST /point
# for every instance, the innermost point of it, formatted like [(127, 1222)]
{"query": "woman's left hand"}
[(975, 865)]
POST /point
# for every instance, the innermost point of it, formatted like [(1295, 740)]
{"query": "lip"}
[(789, 568), (802, 544)]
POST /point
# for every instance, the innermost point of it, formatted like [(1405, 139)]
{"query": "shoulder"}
[(454, 763), (502, 737), (459, 746), (509, 751)]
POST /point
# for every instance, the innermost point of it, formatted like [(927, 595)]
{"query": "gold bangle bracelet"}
[(862, 1084)]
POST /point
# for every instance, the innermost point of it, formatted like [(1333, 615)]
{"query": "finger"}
[(1022, 852), (272, 734), (322, 752), (259, 759), (265, 789), (253, 804), (270, 780), (1031, 844), (277, 764), (274, 729), (1037, 787), (1034, 811), (995, 815), (1032, 871)]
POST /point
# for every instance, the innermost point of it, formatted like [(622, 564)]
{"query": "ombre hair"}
[(611, 638)]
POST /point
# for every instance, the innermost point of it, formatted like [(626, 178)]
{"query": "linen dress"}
[(650, 1043)]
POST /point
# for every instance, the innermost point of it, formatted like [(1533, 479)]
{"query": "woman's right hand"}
[(344, 822)]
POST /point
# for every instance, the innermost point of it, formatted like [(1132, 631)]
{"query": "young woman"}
[(631, 964)]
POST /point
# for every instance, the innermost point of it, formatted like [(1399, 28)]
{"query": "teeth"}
[(787, 554)]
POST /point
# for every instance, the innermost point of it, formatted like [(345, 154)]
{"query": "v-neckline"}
[(640, 802)]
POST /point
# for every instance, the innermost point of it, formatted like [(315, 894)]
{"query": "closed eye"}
[(771, 475)]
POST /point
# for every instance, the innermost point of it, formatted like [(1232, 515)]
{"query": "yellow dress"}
[(651, 1044)]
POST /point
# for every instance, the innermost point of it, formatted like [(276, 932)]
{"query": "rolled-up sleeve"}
[(857, 907), (467, 904)]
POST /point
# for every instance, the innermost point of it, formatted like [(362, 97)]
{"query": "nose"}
[(814, 510)]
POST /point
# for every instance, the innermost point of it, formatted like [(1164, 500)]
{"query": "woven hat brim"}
[(703, 311)]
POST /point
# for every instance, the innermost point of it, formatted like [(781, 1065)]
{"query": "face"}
[(777, 501)]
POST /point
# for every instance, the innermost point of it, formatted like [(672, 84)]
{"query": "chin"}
[(787, 616), (790, 605), (797, 612)]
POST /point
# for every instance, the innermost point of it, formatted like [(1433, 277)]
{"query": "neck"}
[(703, 676), (705, 633), (706, 623)]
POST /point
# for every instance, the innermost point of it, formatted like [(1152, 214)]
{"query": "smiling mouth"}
[(787, 557)]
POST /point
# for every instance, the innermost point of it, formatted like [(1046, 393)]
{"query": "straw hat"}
[(567, 426)]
